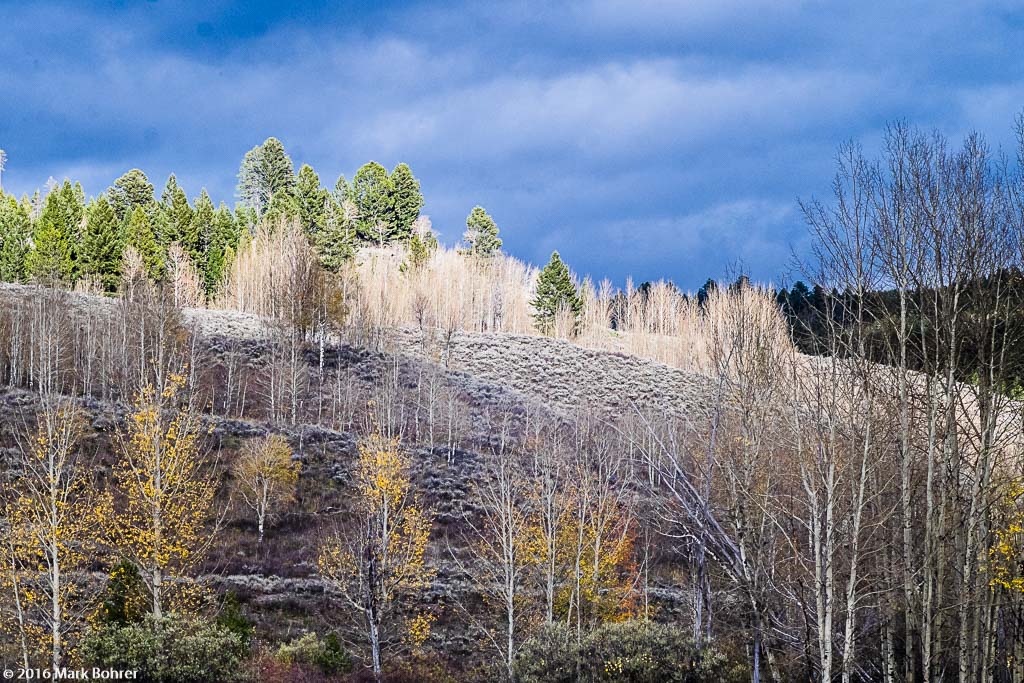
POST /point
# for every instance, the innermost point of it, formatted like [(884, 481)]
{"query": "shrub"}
[(173, 649), (232, 619), (629, 652), (308, 649)]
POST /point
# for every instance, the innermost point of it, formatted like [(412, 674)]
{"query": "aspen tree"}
[(383, 556), (165, 494), (267, 477)]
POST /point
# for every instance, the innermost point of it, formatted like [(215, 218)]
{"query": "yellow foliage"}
[(1006, 555), (384, 553), (164, 491), (52, 516)]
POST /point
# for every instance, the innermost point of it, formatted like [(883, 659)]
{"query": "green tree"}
[(178, 224), (481, 235), (203, 226), (335, 243), (283, 206), (371, 192), (555, 293), (265, 171), (139, 234), (53, 256), (101, 244), (220, 248), (406, 201), (15, 229), (130, 191), (311, 200)]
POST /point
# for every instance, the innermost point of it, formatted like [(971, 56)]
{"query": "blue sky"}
[(661, 139)]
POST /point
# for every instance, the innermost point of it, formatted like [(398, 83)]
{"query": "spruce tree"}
[(102, 245), (223, 240), (130, 191), (283, 207), (15, 229), (139, 234), (177, 224), (335, 242), (266, 170), (555, 292), (406, 201), (371, 192), (481, 235), (311, 200), (202, 226), (52, 256)]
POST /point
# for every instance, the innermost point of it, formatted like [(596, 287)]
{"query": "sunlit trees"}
[(52, 515), (101, 249), (312, 200), (164, 494), (56, 233), (267, 477), (129, 192), (371, 191), (15, 229), (406, 201), (481, 235), (335, 240), (381, 558), (556, 295), (140, 236), (265, 171)]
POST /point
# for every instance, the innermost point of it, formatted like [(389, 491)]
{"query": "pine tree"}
[(481, 235), (335, 243), (311, 200), (371, 192), (15, 228), (102, 245), (139, 234), (406, 201), (555, 293), (130, 191), (266, 170)]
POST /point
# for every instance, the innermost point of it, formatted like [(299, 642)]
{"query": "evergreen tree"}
[(177, 224), (342, 190), (406, 201), (371, 192), (311, 200), (15, 228), (283, 207), (130, 191), (481, 235), (265, 171), (335, 243), (419, 253), (202, 226), (220, 249), (53, 257), (139, 234), (101, 244), (555, 292)]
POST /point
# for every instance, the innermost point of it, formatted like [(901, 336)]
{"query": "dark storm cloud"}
[(658, 139)]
